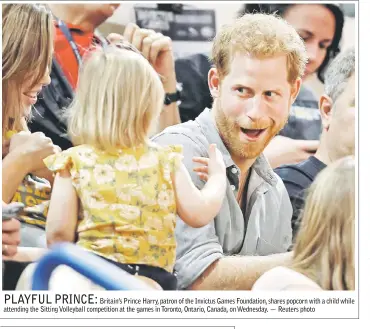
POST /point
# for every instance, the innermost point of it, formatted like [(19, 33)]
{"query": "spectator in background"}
[(320, 26), (27, 44), (76, 32), (324, 255), (259, 62), (338, 112)]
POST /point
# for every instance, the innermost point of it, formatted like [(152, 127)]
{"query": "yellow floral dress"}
[(127, 201)]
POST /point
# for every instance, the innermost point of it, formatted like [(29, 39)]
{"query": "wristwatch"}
[(170, 98)]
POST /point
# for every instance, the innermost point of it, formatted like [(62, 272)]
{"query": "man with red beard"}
[(259, 61)]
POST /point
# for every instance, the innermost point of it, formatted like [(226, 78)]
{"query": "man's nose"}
[(255, 108)]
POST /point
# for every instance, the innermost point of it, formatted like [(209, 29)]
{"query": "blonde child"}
[(323, 256), (116, 189)]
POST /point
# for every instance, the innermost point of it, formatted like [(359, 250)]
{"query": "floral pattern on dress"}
[(104, 174), (127, 162), (127, 199)]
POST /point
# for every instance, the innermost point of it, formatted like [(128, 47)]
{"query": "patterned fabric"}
[(34, 192), (127, 201)]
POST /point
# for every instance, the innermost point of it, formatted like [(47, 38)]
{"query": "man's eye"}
[(270, 93), (241, 90)]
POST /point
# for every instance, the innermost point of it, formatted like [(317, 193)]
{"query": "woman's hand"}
[(11, 236), (34, 148)]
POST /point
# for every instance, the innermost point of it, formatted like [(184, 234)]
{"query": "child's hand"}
[(214, 165)]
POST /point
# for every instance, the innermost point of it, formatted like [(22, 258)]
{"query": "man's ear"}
[(214, 82), (326, 106), (296, 87)]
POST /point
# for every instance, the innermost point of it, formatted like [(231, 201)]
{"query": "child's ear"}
[(214, 82), (326, 106)]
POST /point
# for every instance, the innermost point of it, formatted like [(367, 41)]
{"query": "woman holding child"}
[(27, 45)]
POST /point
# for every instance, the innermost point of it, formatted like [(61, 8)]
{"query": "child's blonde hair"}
[(325, 245), (118, 98)]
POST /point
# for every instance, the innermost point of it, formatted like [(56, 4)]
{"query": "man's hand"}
[(283, 150), (155, 47)]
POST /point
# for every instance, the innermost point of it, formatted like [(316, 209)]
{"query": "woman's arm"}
[(45, 173), (26, 154), (63, 211), (15, 168)]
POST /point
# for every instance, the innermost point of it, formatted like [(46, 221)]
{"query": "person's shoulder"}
[(284, 278), (306, 98), (306, 93), (293, 280), (80, 148), (84, 153), (280, 184), (166, 150), (199, 61), (286, 170), (274, 279), (67, 159), (187, 134), (297, 177), (295, 173)]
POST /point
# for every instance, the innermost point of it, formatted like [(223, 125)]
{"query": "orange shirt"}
[(63, 51)]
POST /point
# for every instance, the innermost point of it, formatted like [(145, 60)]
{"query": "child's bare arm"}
[(62, 215), (198, 207)]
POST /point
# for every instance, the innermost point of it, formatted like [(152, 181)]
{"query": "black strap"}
[(67, 33)]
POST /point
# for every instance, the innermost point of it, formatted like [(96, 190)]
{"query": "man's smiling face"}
[(252, 102)]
